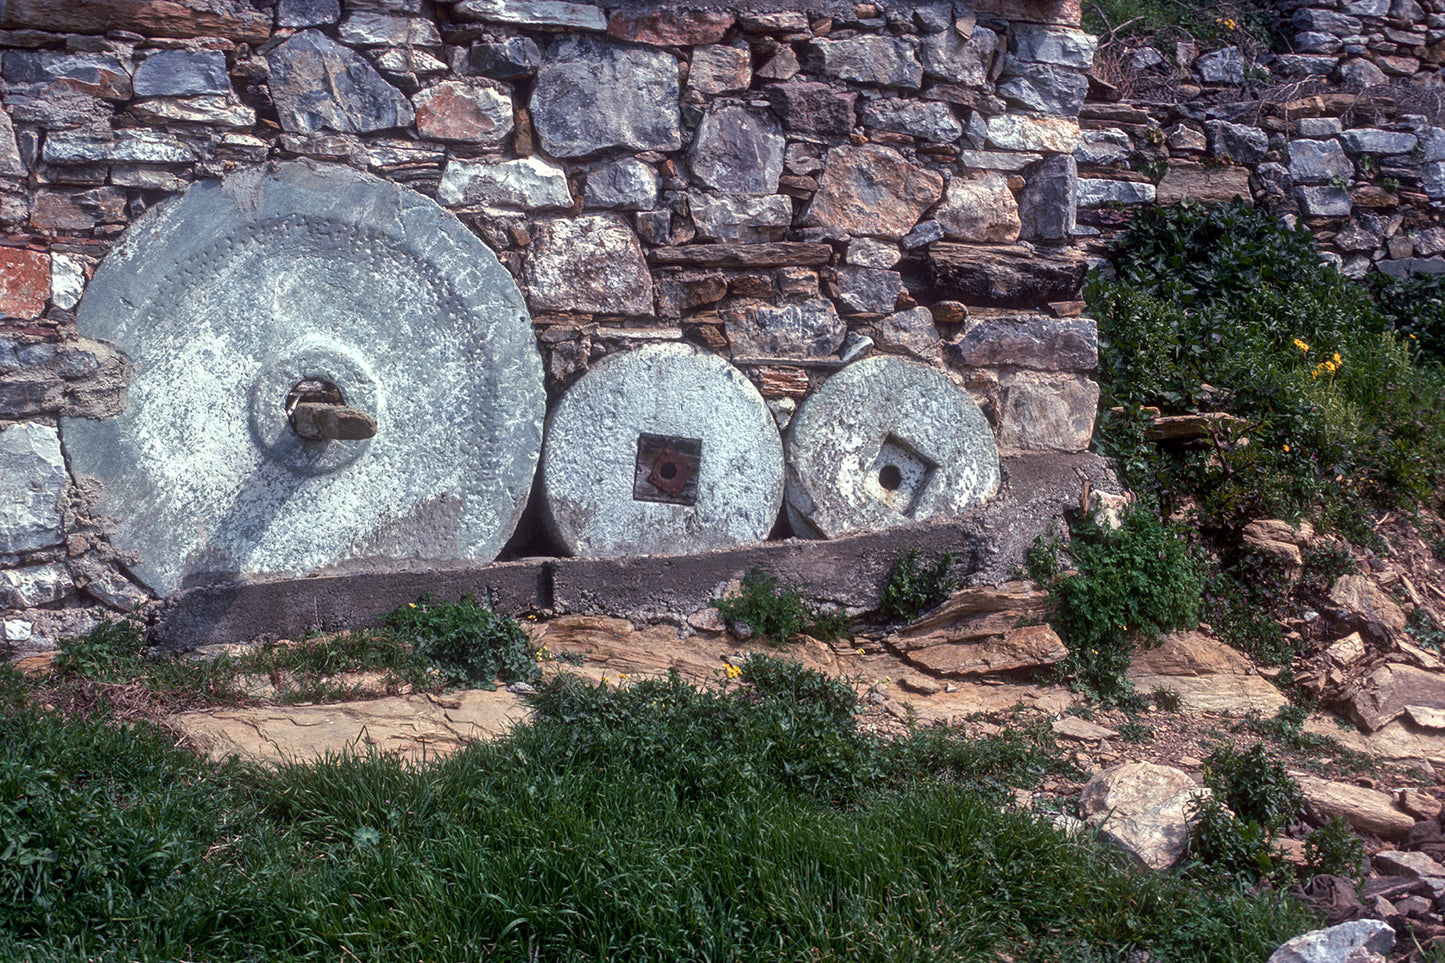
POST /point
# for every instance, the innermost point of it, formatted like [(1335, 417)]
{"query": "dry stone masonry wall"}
[(787, 190)]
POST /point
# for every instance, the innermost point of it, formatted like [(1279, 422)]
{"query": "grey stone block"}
[(182, 73), (1318, 161), (1370, 140), (926, 119), (1094, 192), (320, 85), (33, 480), (1059, 46), (625, 185), (861, 290), (593, 94), (737, 151), (886, 61), (307, 13), (1036, 341), (23, 588)]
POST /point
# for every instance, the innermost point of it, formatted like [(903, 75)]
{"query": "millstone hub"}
[(663, 450), (271, 322), (886, 442)]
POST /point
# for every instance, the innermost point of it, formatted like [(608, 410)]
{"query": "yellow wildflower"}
[(1286, 449), (1301, 345)]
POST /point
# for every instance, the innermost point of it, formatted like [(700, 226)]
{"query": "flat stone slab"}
[(663, 450), (990, 540), (887, 442), (413, 726), (229, 296)]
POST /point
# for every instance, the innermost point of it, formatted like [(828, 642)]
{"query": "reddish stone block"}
[(670, 28), (24, 282)]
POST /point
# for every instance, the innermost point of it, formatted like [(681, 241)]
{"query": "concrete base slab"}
[(990, 541)]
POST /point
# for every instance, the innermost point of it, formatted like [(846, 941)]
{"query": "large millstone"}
[(664, 450), (229, 299), (886, 442)]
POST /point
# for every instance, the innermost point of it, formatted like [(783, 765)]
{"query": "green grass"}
[(652, 822), (424, 646)]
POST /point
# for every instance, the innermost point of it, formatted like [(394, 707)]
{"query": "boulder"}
[(473, 113), (737, 151), (1209, 185), (1367, 810), (592, 94), (998, 276), (1338, 944), (981, 629), (886, 61), (759, 331), (1362, 604), (1046, 411), (1206, 674), (981, 209), (1038, 341), (1144, 809), (1392, 690), (318, 84)]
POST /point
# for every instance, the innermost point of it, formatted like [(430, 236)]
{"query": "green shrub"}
[(1335, 849), (1132, 731), (1224, 309), (914, 587), (109, 652), (468, 643), (1224, 848), (1414, 305), (1254, 785), (1131, 583), (778, 614)]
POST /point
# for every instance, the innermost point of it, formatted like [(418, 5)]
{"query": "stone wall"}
[(790, 189), (1343, 133)]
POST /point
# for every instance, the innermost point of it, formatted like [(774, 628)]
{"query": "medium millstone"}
[(886, 442), (664, 450), (231, 299)]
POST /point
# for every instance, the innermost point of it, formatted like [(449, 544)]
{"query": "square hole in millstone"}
[(667, 469), (899, 475)]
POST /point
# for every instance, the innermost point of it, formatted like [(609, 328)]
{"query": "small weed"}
[(1166, 700), (1336, 850), (1425, 630), (1133, 582), (1323, 563), (1136, 732), (1254, 785), (110, 652), (777, 615), (1224, 848), (914, 587), (468, 643)]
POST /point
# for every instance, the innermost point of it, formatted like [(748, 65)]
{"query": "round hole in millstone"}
[(227, 297), (601, 435), (881, 413)]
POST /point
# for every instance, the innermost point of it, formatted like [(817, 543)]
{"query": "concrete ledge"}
[(990, 541)]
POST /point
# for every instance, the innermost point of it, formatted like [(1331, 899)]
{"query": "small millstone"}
[(886, 442)]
